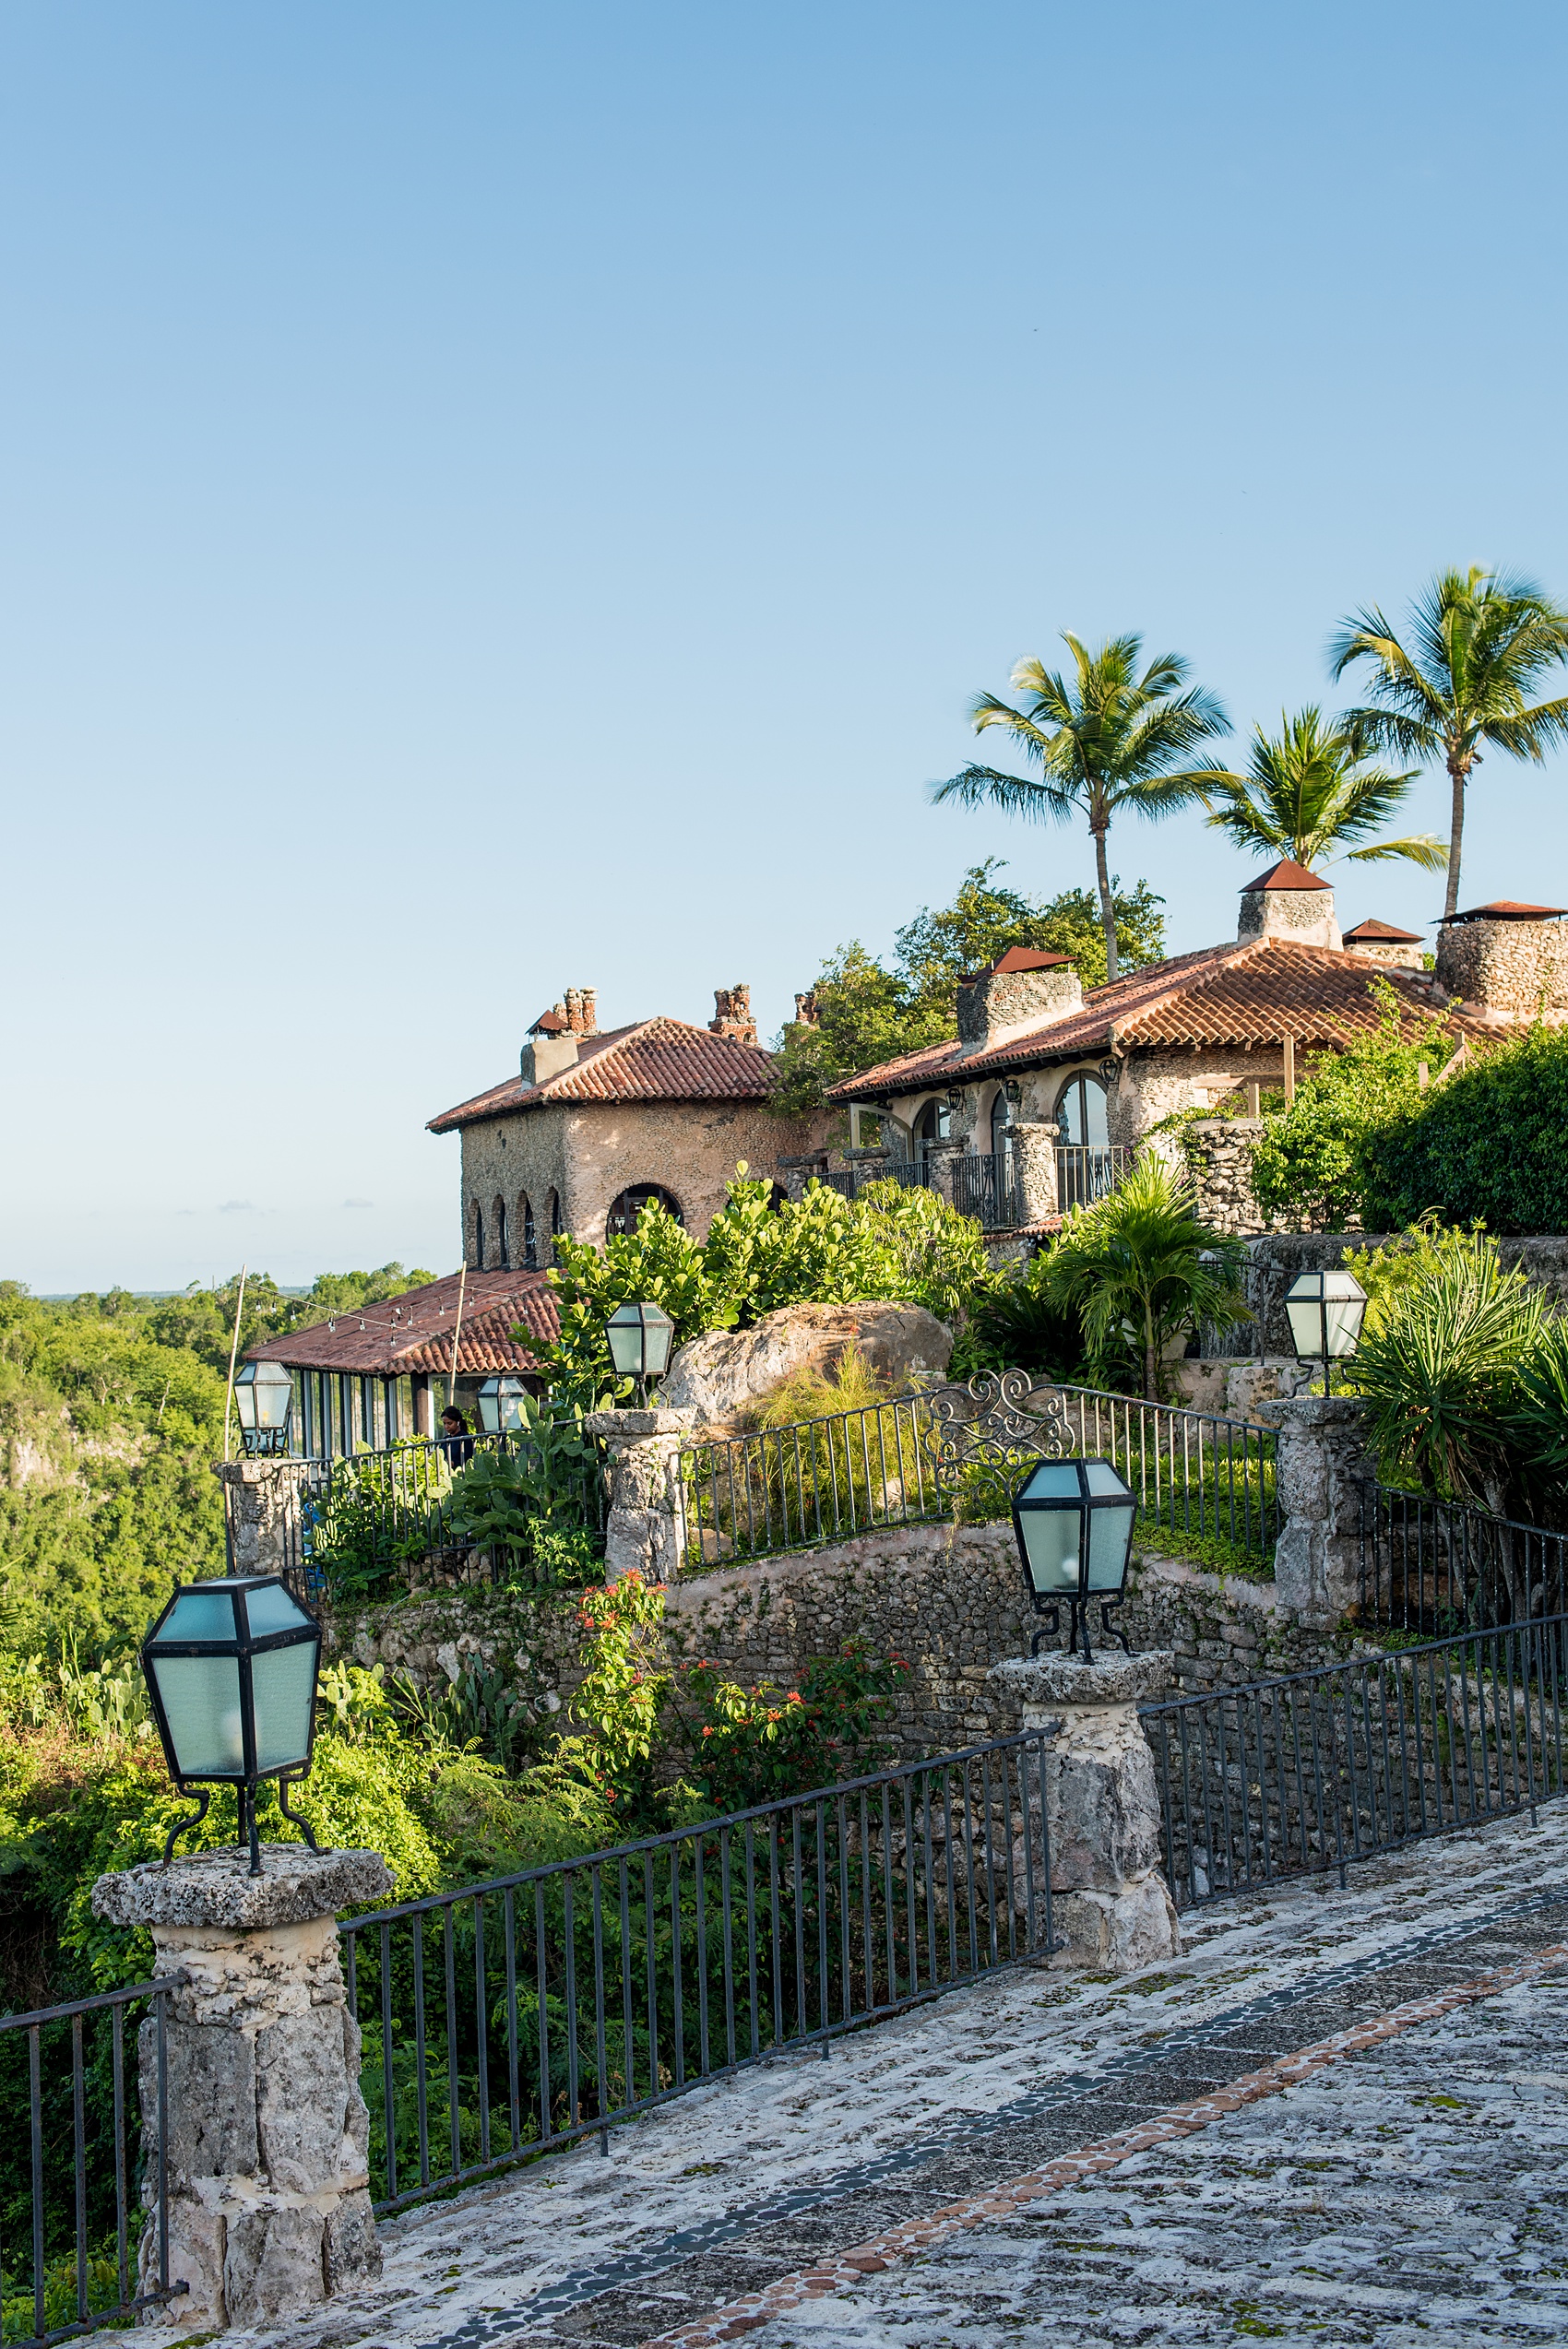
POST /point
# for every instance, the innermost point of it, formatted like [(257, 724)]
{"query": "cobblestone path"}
[(1413, 2190)]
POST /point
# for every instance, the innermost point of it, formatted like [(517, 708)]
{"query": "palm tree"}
[(1479, 644), (1112, 740), (1140, 1267), (1309, 789)]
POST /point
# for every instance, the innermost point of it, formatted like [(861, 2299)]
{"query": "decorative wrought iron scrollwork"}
[(999, 1418)]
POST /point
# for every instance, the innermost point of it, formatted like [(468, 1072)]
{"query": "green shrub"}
[(1486, 1145), (1141, 1268)]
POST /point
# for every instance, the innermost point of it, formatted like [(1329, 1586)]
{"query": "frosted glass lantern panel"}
[(1108, 1532), (201, 1704), (1051, 1545), (205, 1614), (283, 1684), (273, 1610)]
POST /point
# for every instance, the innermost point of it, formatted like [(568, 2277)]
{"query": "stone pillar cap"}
[(217, 1887), (1312, 1410), (1068, 1679), (630, 1427)]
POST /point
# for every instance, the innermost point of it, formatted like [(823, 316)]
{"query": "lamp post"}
[(231, 1668), (263, 1397), (1325, 1312), (1073, 1522), (641, 1337), (501, 1400)]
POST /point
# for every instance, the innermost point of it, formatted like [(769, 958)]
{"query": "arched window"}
[(935, 1124), (1080, 1112), (1002, 1125), (502, 1237), (624, 1214), (525, 1224), (477, 1257), (554, 1215)]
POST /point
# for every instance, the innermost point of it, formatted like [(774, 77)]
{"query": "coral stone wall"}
[(948, 1600), (1517, 969), (590, 1152), (1152, 1084), (1222, 1149)]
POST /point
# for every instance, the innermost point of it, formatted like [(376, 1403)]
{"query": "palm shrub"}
[(1141, 1268), (1441, 1367)]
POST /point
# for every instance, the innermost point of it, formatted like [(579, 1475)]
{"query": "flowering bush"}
[(753, 1745)]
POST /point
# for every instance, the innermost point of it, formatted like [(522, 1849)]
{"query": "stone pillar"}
[(646, 1527), (795, 1173), (942, 1156), (1111, 1904), (1321, 1464), (268, 2182), (258, 1496), (1036, 1145)]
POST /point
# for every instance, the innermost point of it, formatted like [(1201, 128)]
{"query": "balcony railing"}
[(990, 1188), (1083, 1174)]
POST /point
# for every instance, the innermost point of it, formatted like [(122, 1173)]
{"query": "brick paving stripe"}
[(851, 2267)]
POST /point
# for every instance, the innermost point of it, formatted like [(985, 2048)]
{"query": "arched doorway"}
[(525, 1224), (477, 1252), (503, 1236), (625, 1211), (1084, 1155), (935, 1124)]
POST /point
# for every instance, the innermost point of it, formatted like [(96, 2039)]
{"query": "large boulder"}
[(721, 1375)]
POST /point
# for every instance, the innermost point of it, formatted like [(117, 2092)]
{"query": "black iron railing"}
[(1084, 1175), (990, 1188), (1194, 1473), (964, 1448), (546, 2006), (354, 1523), (1286, 1778), (73, 2254), (1431, 1566)]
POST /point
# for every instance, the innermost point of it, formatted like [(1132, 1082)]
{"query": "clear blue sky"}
[(497, 497)]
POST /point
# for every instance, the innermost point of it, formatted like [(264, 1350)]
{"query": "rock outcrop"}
[(720, 1375)]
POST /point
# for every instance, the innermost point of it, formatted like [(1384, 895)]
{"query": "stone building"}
[(1039, 1100), (597, 1123), (1381, 943), (1507, 963)]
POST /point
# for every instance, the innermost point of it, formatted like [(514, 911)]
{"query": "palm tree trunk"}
[(1458, 770), (1107, 905), (1151, 1359)]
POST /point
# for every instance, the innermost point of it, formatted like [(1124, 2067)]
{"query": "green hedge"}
[(1487, 1145)]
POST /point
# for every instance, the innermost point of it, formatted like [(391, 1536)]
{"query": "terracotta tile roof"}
[(1256, 993), (1382, 933), (413, 1333), (1285, 874), (654, 1059), (1509, 909)]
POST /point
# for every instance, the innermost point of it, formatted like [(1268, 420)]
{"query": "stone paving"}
[(1409, 2190)]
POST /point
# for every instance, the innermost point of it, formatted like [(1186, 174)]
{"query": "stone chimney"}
[(732, 1015), (553, 1040), (1508, 963), (805, 1010), (1380, 943), (1021, 986), (1289, 903), (581, 1009)]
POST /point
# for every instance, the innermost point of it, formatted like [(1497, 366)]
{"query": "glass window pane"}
[(201, 1701), (1109, 1529), (1051, 1544), (202, 1615), (273, 1610), (1102, 1476), (282, 1684)]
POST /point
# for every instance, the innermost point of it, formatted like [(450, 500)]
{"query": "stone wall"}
[(587, 1153), (1516, 970), (948, 1600), (1278, 1257), (1221, 1152), (1152, 1085)]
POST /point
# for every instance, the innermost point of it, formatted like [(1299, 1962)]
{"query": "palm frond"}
[(1422, 847), (1043, 801)]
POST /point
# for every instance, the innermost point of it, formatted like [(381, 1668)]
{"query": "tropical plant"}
[(1141, 1268), (1017, 1324), (1480, 643), (1310, 1165), (758, 1744), (1109, 740), (1441, 1367), (1310, 791)]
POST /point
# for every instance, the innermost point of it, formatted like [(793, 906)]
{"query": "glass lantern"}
[(641, 1338), (1325, 1312), (501, 1401), (231, 1668), (1073, 1522), (264, 1396)]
